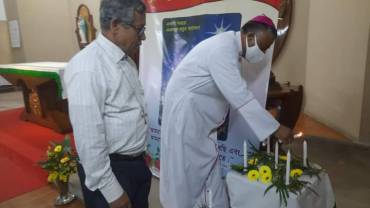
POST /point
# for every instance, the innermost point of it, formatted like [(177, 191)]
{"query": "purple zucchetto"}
[(264, 20)]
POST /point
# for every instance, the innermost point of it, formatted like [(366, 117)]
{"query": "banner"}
[(170, 36), (169, 5)]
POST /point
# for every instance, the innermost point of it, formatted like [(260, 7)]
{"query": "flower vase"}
[(65, 196)]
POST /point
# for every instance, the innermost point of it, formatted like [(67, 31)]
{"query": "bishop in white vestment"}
[(197, 99)]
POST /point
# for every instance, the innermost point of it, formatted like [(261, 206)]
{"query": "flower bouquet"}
[(60, 162), (280, 171)]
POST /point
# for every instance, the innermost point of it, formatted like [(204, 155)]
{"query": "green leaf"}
[(268, 189)]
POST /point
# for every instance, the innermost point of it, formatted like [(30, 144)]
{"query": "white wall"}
[(46, 32), (5, 53), (2, 11), (336, 61), (365, 121)]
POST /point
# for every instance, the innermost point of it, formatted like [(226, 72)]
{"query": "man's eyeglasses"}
[(140, 31)]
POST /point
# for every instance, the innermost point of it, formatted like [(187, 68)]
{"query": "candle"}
[(287, 173), (210, 198), (245, 149), (304, 153), (268, 145), (276, 154)]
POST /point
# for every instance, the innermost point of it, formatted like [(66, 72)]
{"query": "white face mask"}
[(254, 53)]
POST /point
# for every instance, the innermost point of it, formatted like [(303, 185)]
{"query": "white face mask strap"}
[(255, 42), (246, 41)]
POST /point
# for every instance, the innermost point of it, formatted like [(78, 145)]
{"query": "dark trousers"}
[(134, 177)]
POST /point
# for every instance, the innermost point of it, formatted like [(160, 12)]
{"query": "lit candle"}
[(304, 153), (245, 149), (268, 145), (276, 154), (296, 136), (287, 173), (210, 198)]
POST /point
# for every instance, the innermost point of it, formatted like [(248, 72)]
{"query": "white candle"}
[(210, 198), (268, 145), (276, 154), (245, 152), (287, 173), (304, 153)]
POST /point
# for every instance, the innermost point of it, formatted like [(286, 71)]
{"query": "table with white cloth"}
[(244, 193), (44, 99)]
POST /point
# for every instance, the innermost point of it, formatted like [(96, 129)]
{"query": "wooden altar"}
[(43, 96)]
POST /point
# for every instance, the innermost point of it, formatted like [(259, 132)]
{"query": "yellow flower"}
[(283, 158), (52, 176), (253, 175), (253, 161), (296, 173), (266, 178), (264, 169), (64, 159), (58, 148), (63, 178)]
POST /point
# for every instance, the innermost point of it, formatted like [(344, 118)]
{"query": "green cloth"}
[(43, 74)]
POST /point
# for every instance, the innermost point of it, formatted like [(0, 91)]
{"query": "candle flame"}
[(296, 136)]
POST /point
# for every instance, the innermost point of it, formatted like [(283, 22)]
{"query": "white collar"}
[(111, 49)]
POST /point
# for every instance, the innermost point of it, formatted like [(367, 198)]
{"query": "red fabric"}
[(274, 3), (22, 145), (170, 5)]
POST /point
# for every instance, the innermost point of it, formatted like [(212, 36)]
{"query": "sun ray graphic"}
[(220, 29)]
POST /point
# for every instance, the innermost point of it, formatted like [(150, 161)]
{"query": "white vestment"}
[(198, 96)]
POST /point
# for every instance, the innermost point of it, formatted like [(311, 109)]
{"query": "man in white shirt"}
[(107, 110), (197, 99)]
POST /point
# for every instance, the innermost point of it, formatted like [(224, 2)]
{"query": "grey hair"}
[(120, 10)]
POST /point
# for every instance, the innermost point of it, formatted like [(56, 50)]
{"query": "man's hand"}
[(284, 134), (122, 202)]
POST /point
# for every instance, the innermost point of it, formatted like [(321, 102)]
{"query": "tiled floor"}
[(347, 164), (10, 100)]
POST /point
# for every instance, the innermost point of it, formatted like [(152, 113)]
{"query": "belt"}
[(119, 157)]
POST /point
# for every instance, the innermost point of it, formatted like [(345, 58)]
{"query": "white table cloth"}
[(40, 69), (244, 193)]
